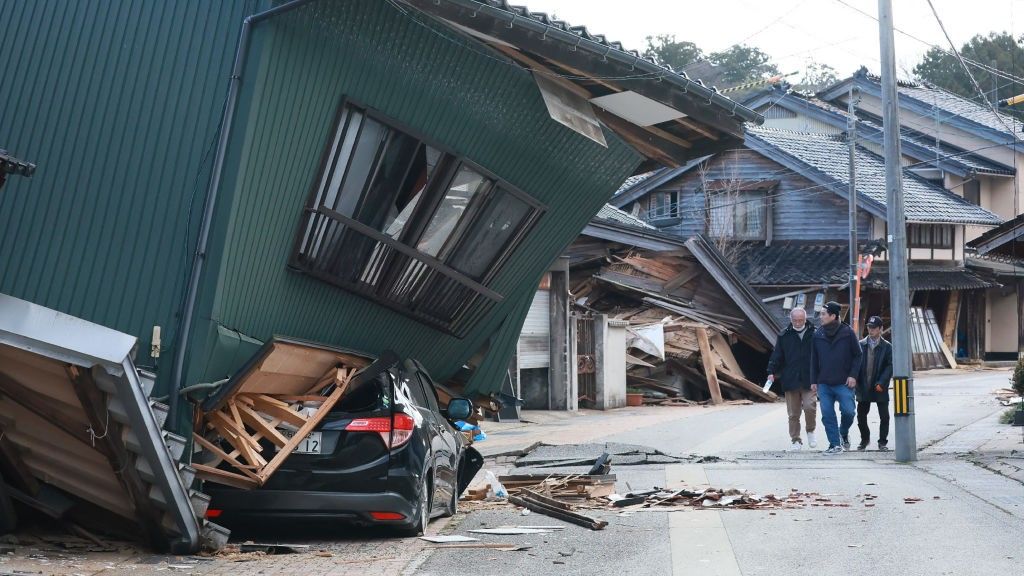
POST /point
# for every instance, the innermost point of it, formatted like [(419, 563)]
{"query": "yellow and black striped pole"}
[(901, 402)]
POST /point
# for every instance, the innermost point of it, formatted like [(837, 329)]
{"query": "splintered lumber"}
[(250, 415), (724, 351), (641, 382), (709, 366), (530, 501), (746, 385)]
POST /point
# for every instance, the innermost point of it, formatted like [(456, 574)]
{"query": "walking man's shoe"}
[(862, 446), (832, 450), (796, 447), (811, 441), (846, 443), (883, 446)]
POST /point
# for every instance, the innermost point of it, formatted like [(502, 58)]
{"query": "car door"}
[(442, 442)]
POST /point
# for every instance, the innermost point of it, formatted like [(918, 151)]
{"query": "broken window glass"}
[(404, 223)]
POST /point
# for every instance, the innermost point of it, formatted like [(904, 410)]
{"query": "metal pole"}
[(851, 137), (899, 293), (199, 256)]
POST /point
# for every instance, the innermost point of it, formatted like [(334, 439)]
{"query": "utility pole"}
[(851, 137), (899, 294)]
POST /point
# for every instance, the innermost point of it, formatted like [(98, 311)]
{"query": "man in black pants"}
[(873, 384)]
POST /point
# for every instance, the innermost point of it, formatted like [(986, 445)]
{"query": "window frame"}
[(931, 242), (761, 191), (435, 188)]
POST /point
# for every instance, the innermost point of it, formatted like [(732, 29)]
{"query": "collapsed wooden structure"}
[(715, 334), (290, 386)]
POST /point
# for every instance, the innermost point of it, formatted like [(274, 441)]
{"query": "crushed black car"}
[(387, 454)]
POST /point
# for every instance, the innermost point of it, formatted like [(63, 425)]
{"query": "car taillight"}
[(395, 431)]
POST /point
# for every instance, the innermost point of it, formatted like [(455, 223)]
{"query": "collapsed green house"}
[(368, 174)]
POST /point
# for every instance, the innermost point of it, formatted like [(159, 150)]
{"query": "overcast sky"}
[(792, 31)]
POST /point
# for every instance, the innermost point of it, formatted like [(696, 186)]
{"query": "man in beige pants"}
[(791, 363)]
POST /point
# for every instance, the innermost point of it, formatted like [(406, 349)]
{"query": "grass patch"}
[(1007, 417)]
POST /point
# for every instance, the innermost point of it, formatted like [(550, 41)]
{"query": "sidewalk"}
[(551, 427)]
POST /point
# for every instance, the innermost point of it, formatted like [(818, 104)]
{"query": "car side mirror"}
[(459, 408)]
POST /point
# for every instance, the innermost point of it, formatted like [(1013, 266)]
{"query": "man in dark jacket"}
[(873, 384), (835, 365), (791, 364)]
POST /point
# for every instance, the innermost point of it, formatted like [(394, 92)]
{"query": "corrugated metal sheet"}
[(116, 102), (535, 338), (433, 81)]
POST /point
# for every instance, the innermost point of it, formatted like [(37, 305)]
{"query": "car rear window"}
[(371, 396)]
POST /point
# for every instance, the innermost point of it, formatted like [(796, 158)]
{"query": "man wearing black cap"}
[(835, 365), (873, 384)]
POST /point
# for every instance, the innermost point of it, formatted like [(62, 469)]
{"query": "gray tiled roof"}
[(613, 214), (826, 156), (793, 264), (958, 106), (634, 180), (952, 105)]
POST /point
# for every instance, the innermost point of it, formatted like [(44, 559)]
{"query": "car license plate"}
[(311, 444)]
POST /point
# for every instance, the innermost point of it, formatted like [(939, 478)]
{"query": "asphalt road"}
[(969, 520)]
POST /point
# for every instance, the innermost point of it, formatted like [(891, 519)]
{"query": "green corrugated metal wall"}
[(116, 101), (428, 78)]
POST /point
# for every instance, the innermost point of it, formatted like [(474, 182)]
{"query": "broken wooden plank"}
[(211, 474), (277, 409), (709, 367), (224, 456), (555, 512), (339, 390), (256, 422), (746, 385), (724, 351)]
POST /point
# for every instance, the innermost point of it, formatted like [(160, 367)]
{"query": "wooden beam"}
[(682, 279), (746, 385), (709, 367), (724, 351), (256, 422), (107, 433), (216, 451), (211, 474), (950, 319), (304, 430), (667, 153), (276, 409), (697, 127)]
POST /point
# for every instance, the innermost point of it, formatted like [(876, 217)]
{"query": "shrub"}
[(1018, 378)]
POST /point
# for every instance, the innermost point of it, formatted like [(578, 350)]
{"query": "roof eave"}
[(728, 115)]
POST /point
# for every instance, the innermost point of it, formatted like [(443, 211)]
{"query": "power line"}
[(968, 71)]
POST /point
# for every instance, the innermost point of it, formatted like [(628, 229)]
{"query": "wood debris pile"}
[(685, 333), (719, 498), (247, 432)]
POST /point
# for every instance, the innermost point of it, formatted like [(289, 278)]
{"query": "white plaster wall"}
[(1001, 321)]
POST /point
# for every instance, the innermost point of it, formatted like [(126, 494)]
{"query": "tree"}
[(1000, 50), (742, 63), (816, 76), (665, 49)]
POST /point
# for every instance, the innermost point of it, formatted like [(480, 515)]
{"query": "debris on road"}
[(512, 530), (448, 539), (554, 508)]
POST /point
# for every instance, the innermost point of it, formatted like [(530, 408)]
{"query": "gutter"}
[(199, 257)]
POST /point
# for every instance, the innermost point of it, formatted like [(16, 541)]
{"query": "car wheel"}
[(419, 526)]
